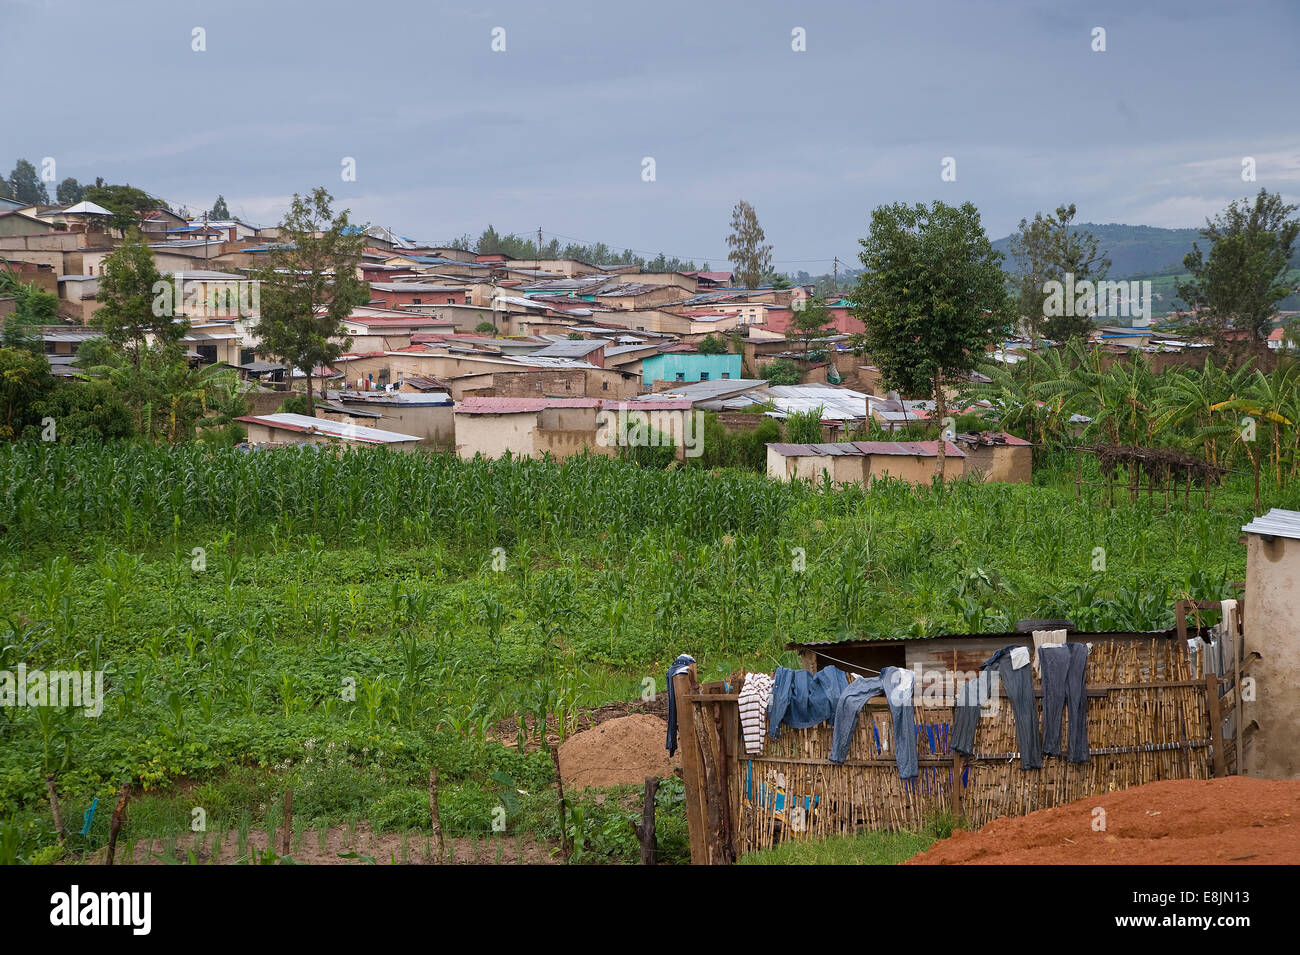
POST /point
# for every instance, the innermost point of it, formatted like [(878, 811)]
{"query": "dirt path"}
[(1237, 820)]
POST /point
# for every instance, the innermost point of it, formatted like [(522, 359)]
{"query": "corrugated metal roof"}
[(653, 404), (1012, 637), (1276, 523), (922, 449), (521, 405), (334, 429), (838, 404)]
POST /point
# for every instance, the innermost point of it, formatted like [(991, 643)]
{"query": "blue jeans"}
[(801, 699), (901, 714)]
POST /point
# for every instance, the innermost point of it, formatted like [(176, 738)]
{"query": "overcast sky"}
[(449, 135)]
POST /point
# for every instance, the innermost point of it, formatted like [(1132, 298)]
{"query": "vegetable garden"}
[(230, 597)]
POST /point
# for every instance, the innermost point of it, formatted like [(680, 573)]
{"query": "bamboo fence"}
[(1148, 717)]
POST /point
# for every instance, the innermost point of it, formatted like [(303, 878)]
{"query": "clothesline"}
[(852, 667)]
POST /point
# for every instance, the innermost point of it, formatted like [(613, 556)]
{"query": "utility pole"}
[(539, 247), (836, 266)]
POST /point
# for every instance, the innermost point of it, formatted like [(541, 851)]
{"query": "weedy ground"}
[(336, 624)]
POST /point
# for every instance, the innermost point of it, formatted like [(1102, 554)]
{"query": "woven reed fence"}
[(1148, 719)]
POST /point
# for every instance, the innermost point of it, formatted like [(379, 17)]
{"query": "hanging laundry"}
[(971, 697), (1064, 670), (801, 699), (754, 696), (897, 686), (680, 665), (1018, 685), (1044, 638)]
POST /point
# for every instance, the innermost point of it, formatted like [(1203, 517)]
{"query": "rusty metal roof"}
[(478, 405)]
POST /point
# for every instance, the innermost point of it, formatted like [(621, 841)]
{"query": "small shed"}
[(862, 461)]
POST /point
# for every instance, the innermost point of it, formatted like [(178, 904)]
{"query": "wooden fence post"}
[(692, 773), (645, 832)]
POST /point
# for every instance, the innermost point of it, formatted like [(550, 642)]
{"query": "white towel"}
[(1019, 657), (753, 701)]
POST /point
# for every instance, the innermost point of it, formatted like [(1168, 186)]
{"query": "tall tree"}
[(1239, 283), (70, 192), (809, 322), (25, 185), (125, 202), (310, 285), (137, 301), (219, 209), (1046, 250), (932, 297), (750, 256)]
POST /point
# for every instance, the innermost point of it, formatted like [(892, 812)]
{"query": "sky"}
[(449, 134)]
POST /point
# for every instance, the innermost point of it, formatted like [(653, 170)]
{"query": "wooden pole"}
[(559, 788), (1216, 724), (692, 772), (115, 826), (645, 832), (54, 808), (434, 815)]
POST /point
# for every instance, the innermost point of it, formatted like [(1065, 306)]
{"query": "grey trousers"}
[(1019, 688), (966, 714), (1063, 685)]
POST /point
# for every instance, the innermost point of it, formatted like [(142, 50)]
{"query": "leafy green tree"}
[(1243, 277), (711, 344), (125, 202), (1046, 250), (809, 322), (485, 328), (781, 371), (26, 186), (134, 308), (33, 306), (70, 192), (310, 285), (219, 209), (90, 411), (932, 297), (24, 380), (750, 255)]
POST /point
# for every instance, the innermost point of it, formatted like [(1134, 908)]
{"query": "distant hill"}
[(1133, 249)]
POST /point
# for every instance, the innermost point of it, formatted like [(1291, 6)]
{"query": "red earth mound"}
[(1236, 820), (617, 752)]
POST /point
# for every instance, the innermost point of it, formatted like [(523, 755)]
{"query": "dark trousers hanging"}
[(1064, 686)]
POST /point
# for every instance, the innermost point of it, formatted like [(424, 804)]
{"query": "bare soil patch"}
[(617, 752), (1237, 821)]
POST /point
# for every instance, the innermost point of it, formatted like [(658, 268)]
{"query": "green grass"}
[(867, 848), (228, 683)]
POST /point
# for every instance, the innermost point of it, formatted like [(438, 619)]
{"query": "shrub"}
[(782, 371)]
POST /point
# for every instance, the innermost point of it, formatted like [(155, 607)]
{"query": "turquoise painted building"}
[(689, 366)]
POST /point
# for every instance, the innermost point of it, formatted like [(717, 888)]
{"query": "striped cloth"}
[(753, 710)]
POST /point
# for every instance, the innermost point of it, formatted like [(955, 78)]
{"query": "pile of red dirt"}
[(618, 752), (1236, 820)]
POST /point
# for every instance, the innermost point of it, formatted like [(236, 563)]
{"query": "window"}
[(681, 376), (415, 301), (604, 386), (451, 301), (726, 374), (704, 376)]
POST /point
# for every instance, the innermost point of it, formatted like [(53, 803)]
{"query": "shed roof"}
[(334, 429), (1276, 523), (922, 449), (479, 405)]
